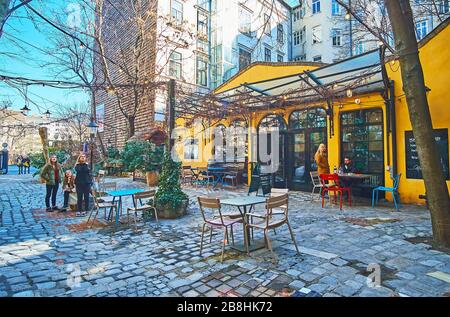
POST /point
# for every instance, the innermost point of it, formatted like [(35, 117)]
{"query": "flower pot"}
[(152, 179), (168, 212)]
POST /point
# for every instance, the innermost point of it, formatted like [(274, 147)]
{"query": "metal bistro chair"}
[(204, 178), (232, 177), (98, 204), (334, 187), (270, 221), (315, 179), (393, 190), (140, 206), (216, 220)]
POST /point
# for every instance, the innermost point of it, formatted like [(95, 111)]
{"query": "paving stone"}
[(297, 284)]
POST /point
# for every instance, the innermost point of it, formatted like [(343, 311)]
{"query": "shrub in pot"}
[(171, 201), (145, 157)]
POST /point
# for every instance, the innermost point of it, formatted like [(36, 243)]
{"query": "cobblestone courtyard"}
[(42, 255)]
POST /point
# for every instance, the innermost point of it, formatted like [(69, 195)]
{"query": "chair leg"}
[(323, 199), (373, 198), (225, 234), (246, 239), (201, 240), (95, 217), (341, 194), (293, 237), (232, 235), (210, 235), (269, 243), (156, 215), (395, 201)]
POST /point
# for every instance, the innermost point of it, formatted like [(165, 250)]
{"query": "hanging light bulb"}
[(349, 93), (348, 16)]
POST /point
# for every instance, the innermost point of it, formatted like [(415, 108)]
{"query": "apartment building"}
[(323, 31), (199, 43)]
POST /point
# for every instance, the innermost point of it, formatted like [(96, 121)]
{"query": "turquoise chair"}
[(393, 190)]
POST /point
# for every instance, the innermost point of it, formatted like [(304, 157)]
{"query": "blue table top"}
[(125, 192)]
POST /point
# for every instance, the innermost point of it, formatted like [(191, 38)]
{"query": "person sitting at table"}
[(347, 168)]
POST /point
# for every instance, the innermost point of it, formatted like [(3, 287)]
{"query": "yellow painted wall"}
[(434, 58)]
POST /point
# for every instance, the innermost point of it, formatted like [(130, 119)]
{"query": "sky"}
[(29, 63)]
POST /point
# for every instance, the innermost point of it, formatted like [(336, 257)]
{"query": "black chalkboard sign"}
[(413, 170), (266, 183)]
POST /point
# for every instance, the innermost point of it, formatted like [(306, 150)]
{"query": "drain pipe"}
[(394, 128)]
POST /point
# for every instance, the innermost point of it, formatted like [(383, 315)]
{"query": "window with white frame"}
[(315, 6), (267, 54), (202, 71), (303, 35), (175, 67), (245, 21), (359, 47), (202, 23), (317, 58), (267, 25), (280, 33), (421, 29), (444, 6), (296, 36), (280, 58), (245, 58), (202, 45), (335, 8), (177, 11), (336, 37), (297, 14), (317, 34)]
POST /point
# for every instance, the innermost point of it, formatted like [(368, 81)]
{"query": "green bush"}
[(169, 191), (38, 160), (143, 156)]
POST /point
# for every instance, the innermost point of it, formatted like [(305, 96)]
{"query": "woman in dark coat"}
[(83, 183), (52, 175)]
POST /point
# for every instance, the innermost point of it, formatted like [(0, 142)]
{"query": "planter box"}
[(165, 212)]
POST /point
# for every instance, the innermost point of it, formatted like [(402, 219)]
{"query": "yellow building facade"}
[(362, 121)]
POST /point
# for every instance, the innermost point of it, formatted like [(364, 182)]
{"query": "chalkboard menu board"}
[(266, 183), (413, 170)]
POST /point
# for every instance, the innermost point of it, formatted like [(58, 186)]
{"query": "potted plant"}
[(171, 201), (144, 157)]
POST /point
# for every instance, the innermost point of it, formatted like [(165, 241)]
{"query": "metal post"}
[(351, 28), (171, 110)]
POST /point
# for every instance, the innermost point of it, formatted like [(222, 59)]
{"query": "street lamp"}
[(348, 17), (25, 110), (47, 114), (93, 129)]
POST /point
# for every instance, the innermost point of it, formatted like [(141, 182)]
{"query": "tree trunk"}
[(401, 18), (44, 140), (4, 6), (131, 126)]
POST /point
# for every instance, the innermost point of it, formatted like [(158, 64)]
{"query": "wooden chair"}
[(270, 221), (204, 178), (140, 206), (103, 189), (216, 220), (187, 177), (335, 187), (232, 177), (98, 204)]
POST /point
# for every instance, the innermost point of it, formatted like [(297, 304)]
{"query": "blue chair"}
[(393, 190)]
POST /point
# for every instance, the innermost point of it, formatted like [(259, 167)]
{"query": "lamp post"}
[(93, 129), (348, 17), (25, 110)]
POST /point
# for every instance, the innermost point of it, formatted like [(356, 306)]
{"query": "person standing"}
[(68, 188), (26, 165), (52, 175), (321, 158), (19, 163), (83, 183)]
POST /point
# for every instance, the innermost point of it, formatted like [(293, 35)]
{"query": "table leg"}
[(119, 211), (111, 209)]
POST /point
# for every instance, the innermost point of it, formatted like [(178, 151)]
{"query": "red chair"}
[(331, 183)]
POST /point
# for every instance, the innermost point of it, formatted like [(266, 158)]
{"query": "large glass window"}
[(280, 33), (362, 139), (191, 149), (220, 143), (308, 119), (336, 37), (335, 8), (267, 54), (239, 131)]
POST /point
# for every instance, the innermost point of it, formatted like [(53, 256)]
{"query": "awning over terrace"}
[(356, 75)]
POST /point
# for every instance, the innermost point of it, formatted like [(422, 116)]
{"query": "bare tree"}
[(8, 7), (406, 48)]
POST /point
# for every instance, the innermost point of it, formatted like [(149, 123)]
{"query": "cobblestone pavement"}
[(41, 255)]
